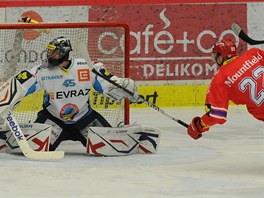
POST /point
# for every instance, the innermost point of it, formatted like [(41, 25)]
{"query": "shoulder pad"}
[(23, 76)]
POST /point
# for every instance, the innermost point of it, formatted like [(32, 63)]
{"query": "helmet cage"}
[(62, 46)]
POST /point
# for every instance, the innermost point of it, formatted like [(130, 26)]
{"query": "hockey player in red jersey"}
[(239, 79)]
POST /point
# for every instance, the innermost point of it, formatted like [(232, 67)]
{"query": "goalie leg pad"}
[(126, 140), (37, 135), (113, 141)]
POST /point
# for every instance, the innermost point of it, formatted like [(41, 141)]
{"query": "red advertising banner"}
[(174, 42)]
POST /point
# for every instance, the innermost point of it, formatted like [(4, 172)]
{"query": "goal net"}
[(23, 46)]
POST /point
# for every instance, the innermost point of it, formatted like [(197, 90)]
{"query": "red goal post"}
[(22, 46)]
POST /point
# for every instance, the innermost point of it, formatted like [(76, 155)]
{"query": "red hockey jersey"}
[(240, 81)]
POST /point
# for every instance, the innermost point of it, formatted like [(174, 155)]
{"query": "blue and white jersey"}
[(67, 90)]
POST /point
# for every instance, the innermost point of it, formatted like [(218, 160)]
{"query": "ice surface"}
[(227, 162)]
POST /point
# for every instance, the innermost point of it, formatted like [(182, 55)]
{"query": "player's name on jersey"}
[(246, 65)]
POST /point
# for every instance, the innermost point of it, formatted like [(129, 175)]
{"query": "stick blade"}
[(241, 34), (35, 155), (236, 28), (51, 155)]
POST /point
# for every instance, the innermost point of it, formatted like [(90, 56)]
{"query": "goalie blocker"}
[(14, 90)]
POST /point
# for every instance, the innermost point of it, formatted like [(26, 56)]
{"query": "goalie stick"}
[(89, 62), (11, 121), (140, 98), (24, 146), (241, 34)]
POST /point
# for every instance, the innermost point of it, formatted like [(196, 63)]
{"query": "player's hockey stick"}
[(241, 34), (86, 56), (24, 146)]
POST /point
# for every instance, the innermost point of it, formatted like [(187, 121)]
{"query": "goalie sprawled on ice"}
[(67, 109)]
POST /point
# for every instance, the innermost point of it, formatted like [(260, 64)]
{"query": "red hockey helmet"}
[(226, 48)]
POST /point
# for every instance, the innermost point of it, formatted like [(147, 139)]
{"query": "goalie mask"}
[(225, 48), (58, 50)]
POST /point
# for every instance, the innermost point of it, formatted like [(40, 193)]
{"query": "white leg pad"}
[(118, 141), (37, 135), (113, 141)]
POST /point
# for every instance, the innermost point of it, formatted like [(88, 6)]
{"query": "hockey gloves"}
[(196, 128)]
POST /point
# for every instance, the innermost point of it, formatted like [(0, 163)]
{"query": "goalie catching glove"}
[(117, 93)]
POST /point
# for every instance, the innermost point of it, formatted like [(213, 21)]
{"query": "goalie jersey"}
[(66, 93), (240, 81)]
